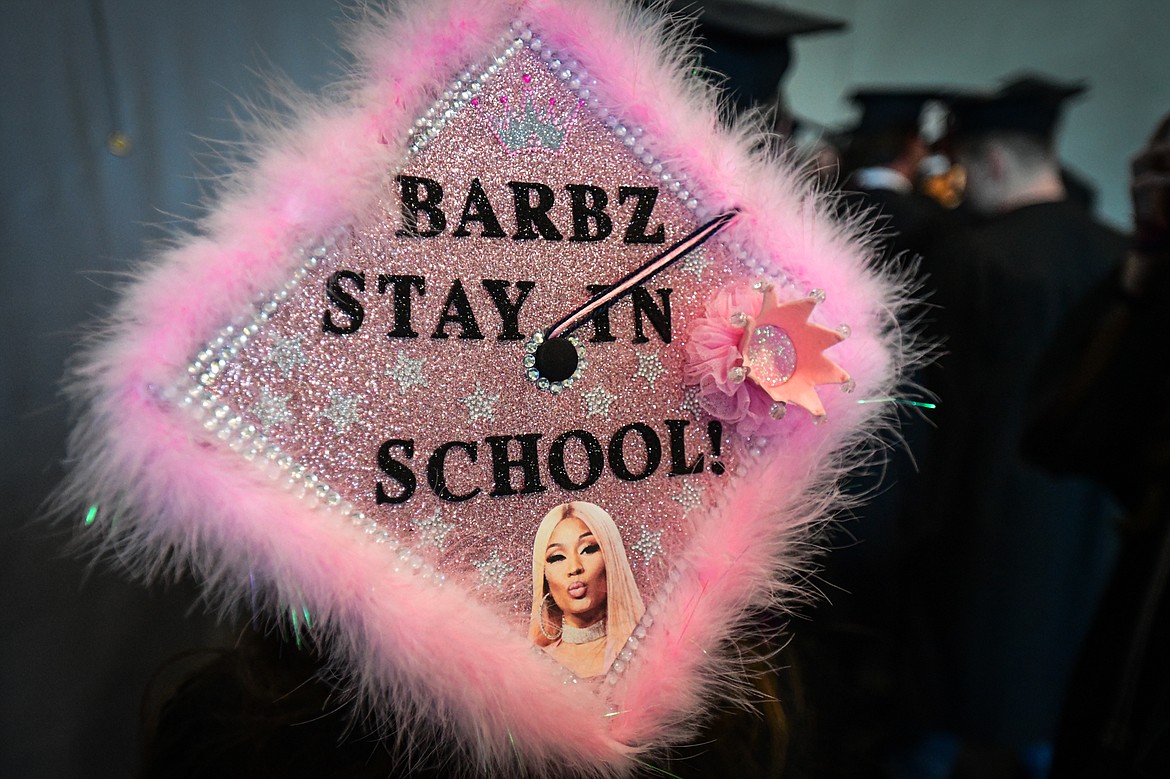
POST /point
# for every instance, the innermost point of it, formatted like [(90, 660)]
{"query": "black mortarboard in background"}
[(891, 119), (1040, 86), (891, 108), (1027, 103), (1037, 85), (749, 43)]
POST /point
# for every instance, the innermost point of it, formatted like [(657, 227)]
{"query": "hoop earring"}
[(543, 605)]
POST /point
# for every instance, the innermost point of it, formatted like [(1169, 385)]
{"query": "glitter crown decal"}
[(336, 422), (522, 125)]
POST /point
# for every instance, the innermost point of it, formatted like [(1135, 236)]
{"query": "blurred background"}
[(112, 122), (1113, 47)]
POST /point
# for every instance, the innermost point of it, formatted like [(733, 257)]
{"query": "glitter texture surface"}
[(369, 411), (770, 355)]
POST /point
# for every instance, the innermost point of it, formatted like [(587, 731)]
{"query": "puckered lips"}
[(578, 590)]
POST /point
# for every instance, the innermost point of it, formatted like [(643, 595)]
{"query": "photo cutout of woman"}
[(585, 602)]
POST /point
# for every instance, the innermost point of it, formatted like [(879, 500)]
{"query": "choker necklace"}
[(572, 635)]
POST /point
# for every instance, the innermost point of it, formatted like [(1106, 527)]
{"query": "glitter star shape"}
[(689, 496), (271, 409), (481, 404), (690, 402), (649, 367), (434, 530), (493, 570), (696, 263), (597, 401), (342, 411), (649, 544), (287, 353), (408, 372)]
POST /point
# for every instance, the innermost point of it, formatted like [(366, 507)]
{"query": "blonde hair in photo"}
[(623, 607)]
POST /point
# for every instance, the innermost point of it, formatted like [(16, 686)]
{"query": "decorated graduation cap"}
[(1027, 103), (751, 43), (510, 374)]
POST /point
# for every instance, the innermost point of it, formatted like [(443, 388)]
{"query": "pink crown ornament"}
[(324, 403), (751, 356)]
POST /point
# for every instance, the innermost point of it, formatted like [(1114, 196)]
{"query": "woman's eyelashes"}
[(591, 548)]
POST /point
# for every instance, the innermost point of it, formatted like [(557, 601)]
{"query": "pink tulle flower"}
[(713, 353)]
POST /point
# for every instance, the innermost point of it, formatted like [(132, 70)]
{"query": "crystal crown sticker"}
[(513, 341)]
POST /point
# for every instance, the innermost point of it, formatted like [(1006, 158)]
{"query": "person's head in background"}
[(1006, 143), (891, 135)]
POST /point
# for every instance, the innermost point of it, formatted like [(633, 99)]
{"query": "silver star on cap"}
[(689, 496), (272, 410), (480, 404), (649, 544), (434, 530), (697, 262), (690, 402), (598, 401), (493, 570), (649, 366), (287, 353), (408, 372), (342, 411)]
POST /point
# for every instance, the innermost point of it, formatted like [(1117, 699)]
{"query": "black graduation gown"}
[(905, 224), (905, 221), (1116, 718), (1008, 560), (845, 654)]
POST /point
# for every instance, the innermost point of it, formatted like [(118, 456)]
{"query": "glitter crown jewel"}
[(528, 126)]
